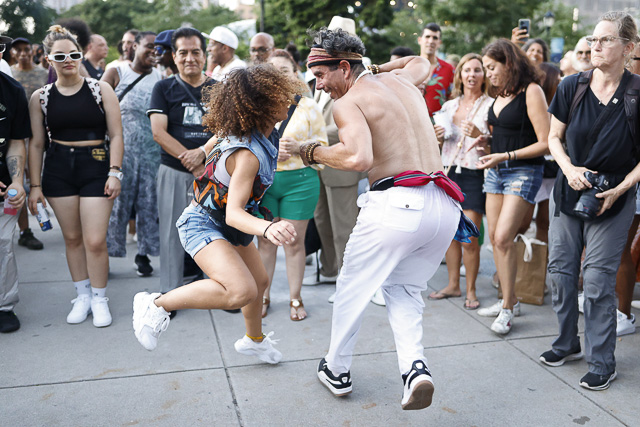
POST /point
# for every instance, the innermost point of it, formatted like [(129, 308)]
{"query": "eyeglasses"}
[(159, 50), (260, 49), (2, 47), (583, 52), (61, 57), (606, 41)]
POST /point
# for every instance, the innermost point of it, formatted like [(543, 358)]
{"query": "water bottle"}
[(43, 218), (8, 209)]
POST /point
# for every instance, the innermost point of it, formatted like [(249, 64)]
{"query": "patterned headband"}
[(319, 56)]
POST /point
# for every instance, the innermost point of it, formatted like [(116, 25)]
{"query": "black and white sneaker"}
[(143, 266), (551, 358), (418, 387), (597, 382), (340, 385)]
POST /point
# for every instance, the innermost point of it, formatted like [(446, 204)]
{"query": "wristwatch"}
[(117, 174)]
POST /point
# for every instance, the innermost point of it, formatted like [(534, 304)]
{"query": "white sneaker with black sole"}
[(418, 387), (338, 385)]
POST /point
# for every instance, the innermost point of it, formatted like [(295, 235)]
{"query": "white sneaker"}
[(149, 320), (332, 298), (581, 302), (100, 312), (496, 308), (635, 304), (625, 325), (418, 387), (502, 324), (313, 280), (263, 350), (81, 309), (378, 298)]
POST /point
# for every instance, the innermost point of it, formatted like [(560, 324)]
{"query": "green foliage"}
[(112, 18), (20, 16), (288, 21)]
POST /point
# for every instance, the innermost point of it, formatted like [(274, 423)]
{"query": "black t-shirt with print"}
[(185, 118), (613, 153), (14, 120)]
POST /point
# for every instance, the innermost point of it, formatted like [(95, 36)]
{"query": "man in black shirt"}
[(176, 115), (97, 51), (14, 128)]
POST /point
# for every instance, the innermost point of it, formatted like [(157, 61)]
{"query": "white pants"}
[(398, 243)]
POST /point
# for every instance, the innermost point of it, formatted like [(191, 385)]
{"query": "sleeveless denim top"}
[(211, 194)]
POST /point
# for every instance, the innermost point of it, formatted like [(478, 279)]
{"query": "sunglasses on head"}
[(61, 57)]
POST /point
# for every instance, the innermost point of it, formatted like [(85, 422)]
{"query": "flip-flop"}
[(471, 304), (438, 295)]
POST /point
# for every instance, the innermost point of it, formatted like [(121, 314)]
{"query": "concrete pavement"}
[(56, 374)]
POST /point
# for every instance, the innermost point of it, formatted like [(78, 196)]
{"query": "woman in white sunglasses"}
[(81, 176)]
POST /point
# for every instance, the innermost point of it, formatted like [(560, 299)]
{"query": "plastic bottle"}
[(8, 209), (43, 218)]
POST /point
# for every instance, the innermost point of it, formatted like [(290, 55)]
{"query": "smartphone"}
[(525, 24)]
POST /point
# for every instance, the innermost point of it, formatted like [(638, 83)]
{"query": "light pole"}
[(547, 21)]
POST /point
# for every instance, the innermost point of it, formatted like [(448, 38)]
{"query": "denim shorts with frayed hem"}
[(523, 181), (197, 229)]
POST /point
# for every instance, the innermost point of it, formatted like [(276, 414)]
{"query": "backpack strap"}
[(631, 100), (581, 89), (94, 85), (44, 102)]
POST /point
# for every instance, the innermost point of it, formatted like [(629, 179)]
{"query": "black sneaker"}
[(340, 385), (143, 266), (8, 321), (29, 241), (418, 387), (597, 382), (551, 358)]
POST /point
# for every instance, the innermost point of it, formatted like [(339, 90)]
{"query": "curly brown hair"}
[(248, 99)]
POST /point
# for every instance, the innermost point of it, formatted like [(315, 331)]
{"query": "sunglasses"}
[(2, 47), (159, 50), (61, 57)]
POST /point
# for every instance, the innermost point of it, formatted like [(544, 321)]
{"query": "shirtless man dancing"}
[(406, 222)]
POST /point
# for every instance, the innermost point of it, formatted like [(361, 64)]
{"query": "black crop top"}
[(76, 117), (513, 129)]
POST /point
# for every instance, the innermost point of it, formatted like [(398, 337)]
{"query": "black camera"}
[(588, 205)]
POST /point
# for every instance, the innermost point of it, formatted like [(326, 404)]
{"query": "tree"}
[(110, 18), (26, 18), (288, 21)]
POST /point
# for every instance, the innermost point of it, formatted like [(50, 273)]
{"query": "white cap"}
[(223, 35), (347, 24)]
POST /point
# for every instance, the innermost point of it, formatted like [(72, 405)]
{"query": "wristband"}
[(264, 234), (515, 156), (509, 154), (203, 150), (118, 168), (32, 186)]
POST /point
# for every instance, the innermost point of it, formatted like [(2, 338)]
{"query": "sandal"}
[(265, 306), (471, 304), (296, 304)]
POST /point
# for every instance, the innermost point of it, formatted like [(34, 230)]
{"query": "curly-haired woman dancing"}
[(217, 228)]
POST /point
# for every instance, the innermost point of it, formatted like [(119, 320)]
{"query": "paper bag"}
[(531, 270)]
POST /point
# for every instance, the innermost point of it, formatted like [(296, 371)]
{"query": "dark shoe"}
[(172, 314), (551, 358), (233, 310), (8, 321), (340, 385), (143, 266), (418, 387), (597, 382), (29, 241)]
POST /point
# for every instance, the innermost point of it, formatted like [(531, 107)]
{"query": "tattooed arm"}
[(15, 163)]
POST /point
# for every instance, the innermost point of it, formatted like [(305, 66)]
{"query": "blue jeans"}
[(197, 229), (523, 181)]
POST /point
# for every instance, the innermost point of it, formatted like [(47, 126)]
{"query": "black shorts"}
[(470, 182), (75, 171)]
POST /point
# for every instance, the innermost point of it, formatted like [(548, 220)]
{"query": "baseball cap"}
[(6, 40), (21, 40), (164, 38), (223, 35)]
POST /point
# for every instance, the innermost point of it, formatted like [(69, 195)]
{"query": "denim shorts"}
[(523, 181), (197, 229)]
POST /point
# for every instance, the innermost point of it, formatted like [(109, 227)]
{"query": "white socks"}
[(98, 292), (83, 287)]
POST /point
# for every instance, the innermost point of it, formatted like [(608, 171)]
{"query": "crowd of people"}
[(192, 152)]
